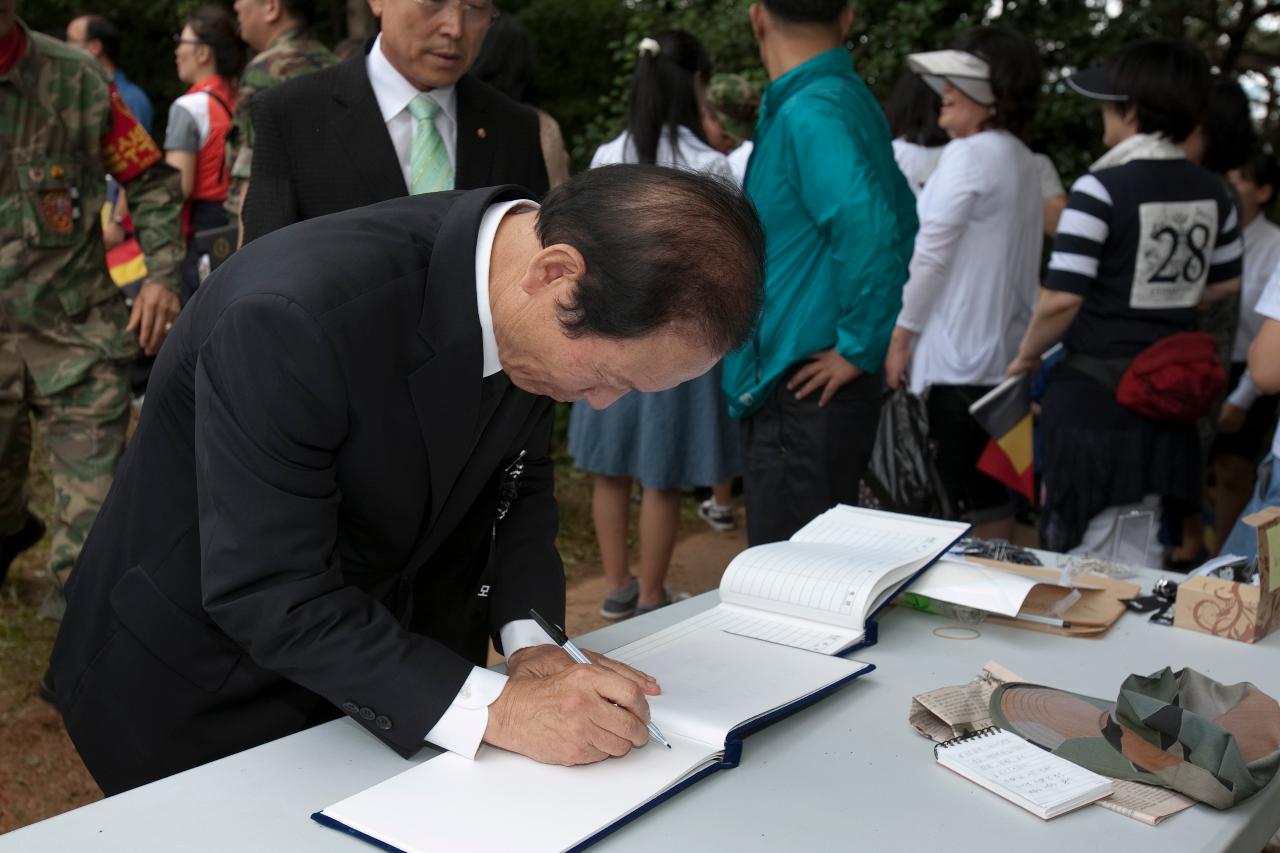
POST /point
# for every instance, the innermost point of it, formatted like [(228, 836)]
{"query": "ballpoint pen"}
[(561, 639)]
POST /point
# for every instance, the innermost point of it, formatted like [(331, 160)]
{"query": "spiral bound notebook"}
[(1022, 773)]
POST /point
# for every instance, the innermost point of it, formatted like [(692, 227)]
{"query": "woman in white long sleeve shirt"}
[(974, 271)]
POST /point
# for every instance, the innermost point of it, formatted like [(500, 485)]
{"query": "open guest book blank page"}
[(767, 650), (715, 687)]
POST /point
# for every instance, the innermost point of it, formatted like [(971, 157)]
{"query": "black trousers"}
[(960, 441), (800, 459)]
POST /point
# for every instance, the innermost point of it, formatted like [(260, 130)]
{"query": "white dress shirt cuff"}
[(520, 634), (461, 728)]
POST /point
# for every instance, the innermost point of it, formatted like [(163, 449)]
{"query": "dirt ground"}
[(40, 773)]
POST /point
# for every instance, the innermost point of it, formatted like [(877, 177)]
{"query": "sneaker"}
[(671, 598), (15, 543), (621, 604), (717, 517)]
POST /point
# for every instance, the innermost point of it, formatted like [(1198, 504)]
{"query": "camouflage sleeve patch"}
[(127, 149), (155, 201)]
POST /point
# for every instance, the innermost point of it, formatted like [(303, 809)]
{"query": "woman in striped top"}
[(1147, 238)]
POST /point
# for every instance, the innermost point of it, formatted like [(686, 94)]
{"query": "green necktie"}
[(428, 160)]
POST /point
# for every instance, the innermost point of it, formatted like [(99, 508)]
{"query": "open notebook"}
[(821, 589), (717, 687), (768, 649)]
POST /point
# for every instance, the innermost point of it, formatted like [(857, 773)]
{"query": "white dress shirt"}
[(461, 727), (738, 160), (1261, 263), (974, 273), (915, 162), (689, 153), (1268, 308), (393, 93)]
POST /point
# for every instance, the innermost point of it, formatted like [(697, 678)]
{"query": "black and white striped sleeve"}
[(1227, 261), (1082, 232)]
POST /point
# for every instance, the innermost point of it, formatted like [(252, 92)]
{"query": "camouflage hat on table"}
[(1216, 743), (736, 102)]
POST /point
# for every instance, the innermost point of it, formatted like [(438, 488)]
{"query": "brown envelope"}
[(1095, 612)]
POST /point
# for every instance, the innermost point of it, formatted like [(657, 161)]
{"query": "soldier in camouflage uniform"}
[(279, 31), (66, 334)]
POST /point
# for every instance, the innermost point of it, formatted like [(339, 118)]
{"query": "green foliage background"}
[(586, 48)]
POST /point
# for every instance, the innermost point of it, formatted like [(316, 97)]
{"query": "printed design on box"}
[(1175, 245), (1225, 614)]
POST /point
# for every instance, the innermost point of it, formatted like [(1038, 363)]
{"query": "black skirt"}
[(1098, 454)]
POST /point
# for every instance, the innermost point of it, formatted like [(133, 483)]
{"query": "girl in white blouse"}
[(667, 440)]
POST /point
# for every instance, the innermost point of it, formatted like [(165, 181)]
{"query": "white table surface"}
[(847, 773)]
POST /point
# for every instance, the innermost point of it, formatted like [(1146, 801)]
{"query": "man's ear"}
[(553, 266), (1266, 192), (375, 6), (758, 20), (273, 12)]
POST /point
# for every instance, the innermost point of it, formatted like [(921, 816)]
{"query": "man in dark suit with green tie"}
[(402, 117)]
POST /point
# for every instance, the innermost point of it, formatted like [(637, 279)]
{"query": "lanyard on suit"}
[(508, 490)]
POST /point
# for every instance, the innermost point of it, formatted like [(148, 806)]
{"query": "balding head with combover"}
[(663, 249)]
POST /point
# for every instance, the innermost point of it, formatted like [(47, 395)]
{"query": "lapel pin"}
[(480, 132)]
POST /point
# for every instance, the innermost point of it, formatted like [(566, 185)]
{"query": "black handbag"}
[(901, 473)]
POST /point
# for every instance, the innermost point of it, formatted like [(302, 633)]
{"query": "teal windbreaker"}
[(839, 224)]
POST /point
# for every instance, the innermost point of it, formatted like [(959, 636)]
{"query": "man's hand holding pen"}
[(559, 712)]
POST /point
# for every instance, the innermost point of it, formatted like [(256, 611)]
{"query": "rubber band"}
[(941, 633)]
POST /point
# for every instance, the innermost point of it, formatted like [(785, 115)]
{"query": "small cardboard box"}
[(1238, 611)]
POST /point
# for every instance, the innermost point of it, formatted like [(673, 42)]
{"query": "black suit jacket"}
[(320, 146), (315, 435)]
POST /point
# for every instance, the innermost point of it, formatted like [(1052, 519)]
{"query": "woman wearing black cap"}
[(1146, 238)]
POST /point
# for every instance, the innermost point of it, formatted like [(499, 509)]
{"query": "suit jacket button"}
[(350, 708), (366, 713), (383, 722)]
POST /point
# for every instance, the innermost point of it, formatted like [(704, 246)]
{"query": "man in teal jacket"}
[(839, 223)]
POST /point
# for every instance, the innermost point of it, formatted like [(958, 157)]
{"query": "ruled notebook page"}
[(835, 570)]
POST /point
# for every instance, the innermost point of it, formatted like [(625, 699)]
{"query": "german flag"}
[(1005, 413)]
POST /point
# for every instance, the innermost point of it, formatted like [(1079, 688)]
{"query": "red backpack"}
[(1178, 378)]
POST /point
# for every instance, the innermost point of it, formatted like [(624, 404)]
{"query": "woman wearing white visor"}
[(975, 267)]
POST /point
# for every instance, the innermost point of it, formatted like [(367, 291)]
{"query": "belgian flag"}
[(1005, 413), (125, 261)]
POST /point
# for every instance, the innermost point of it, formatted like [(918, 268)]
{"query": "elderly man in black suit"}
[(402, 119), (353, 398)]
